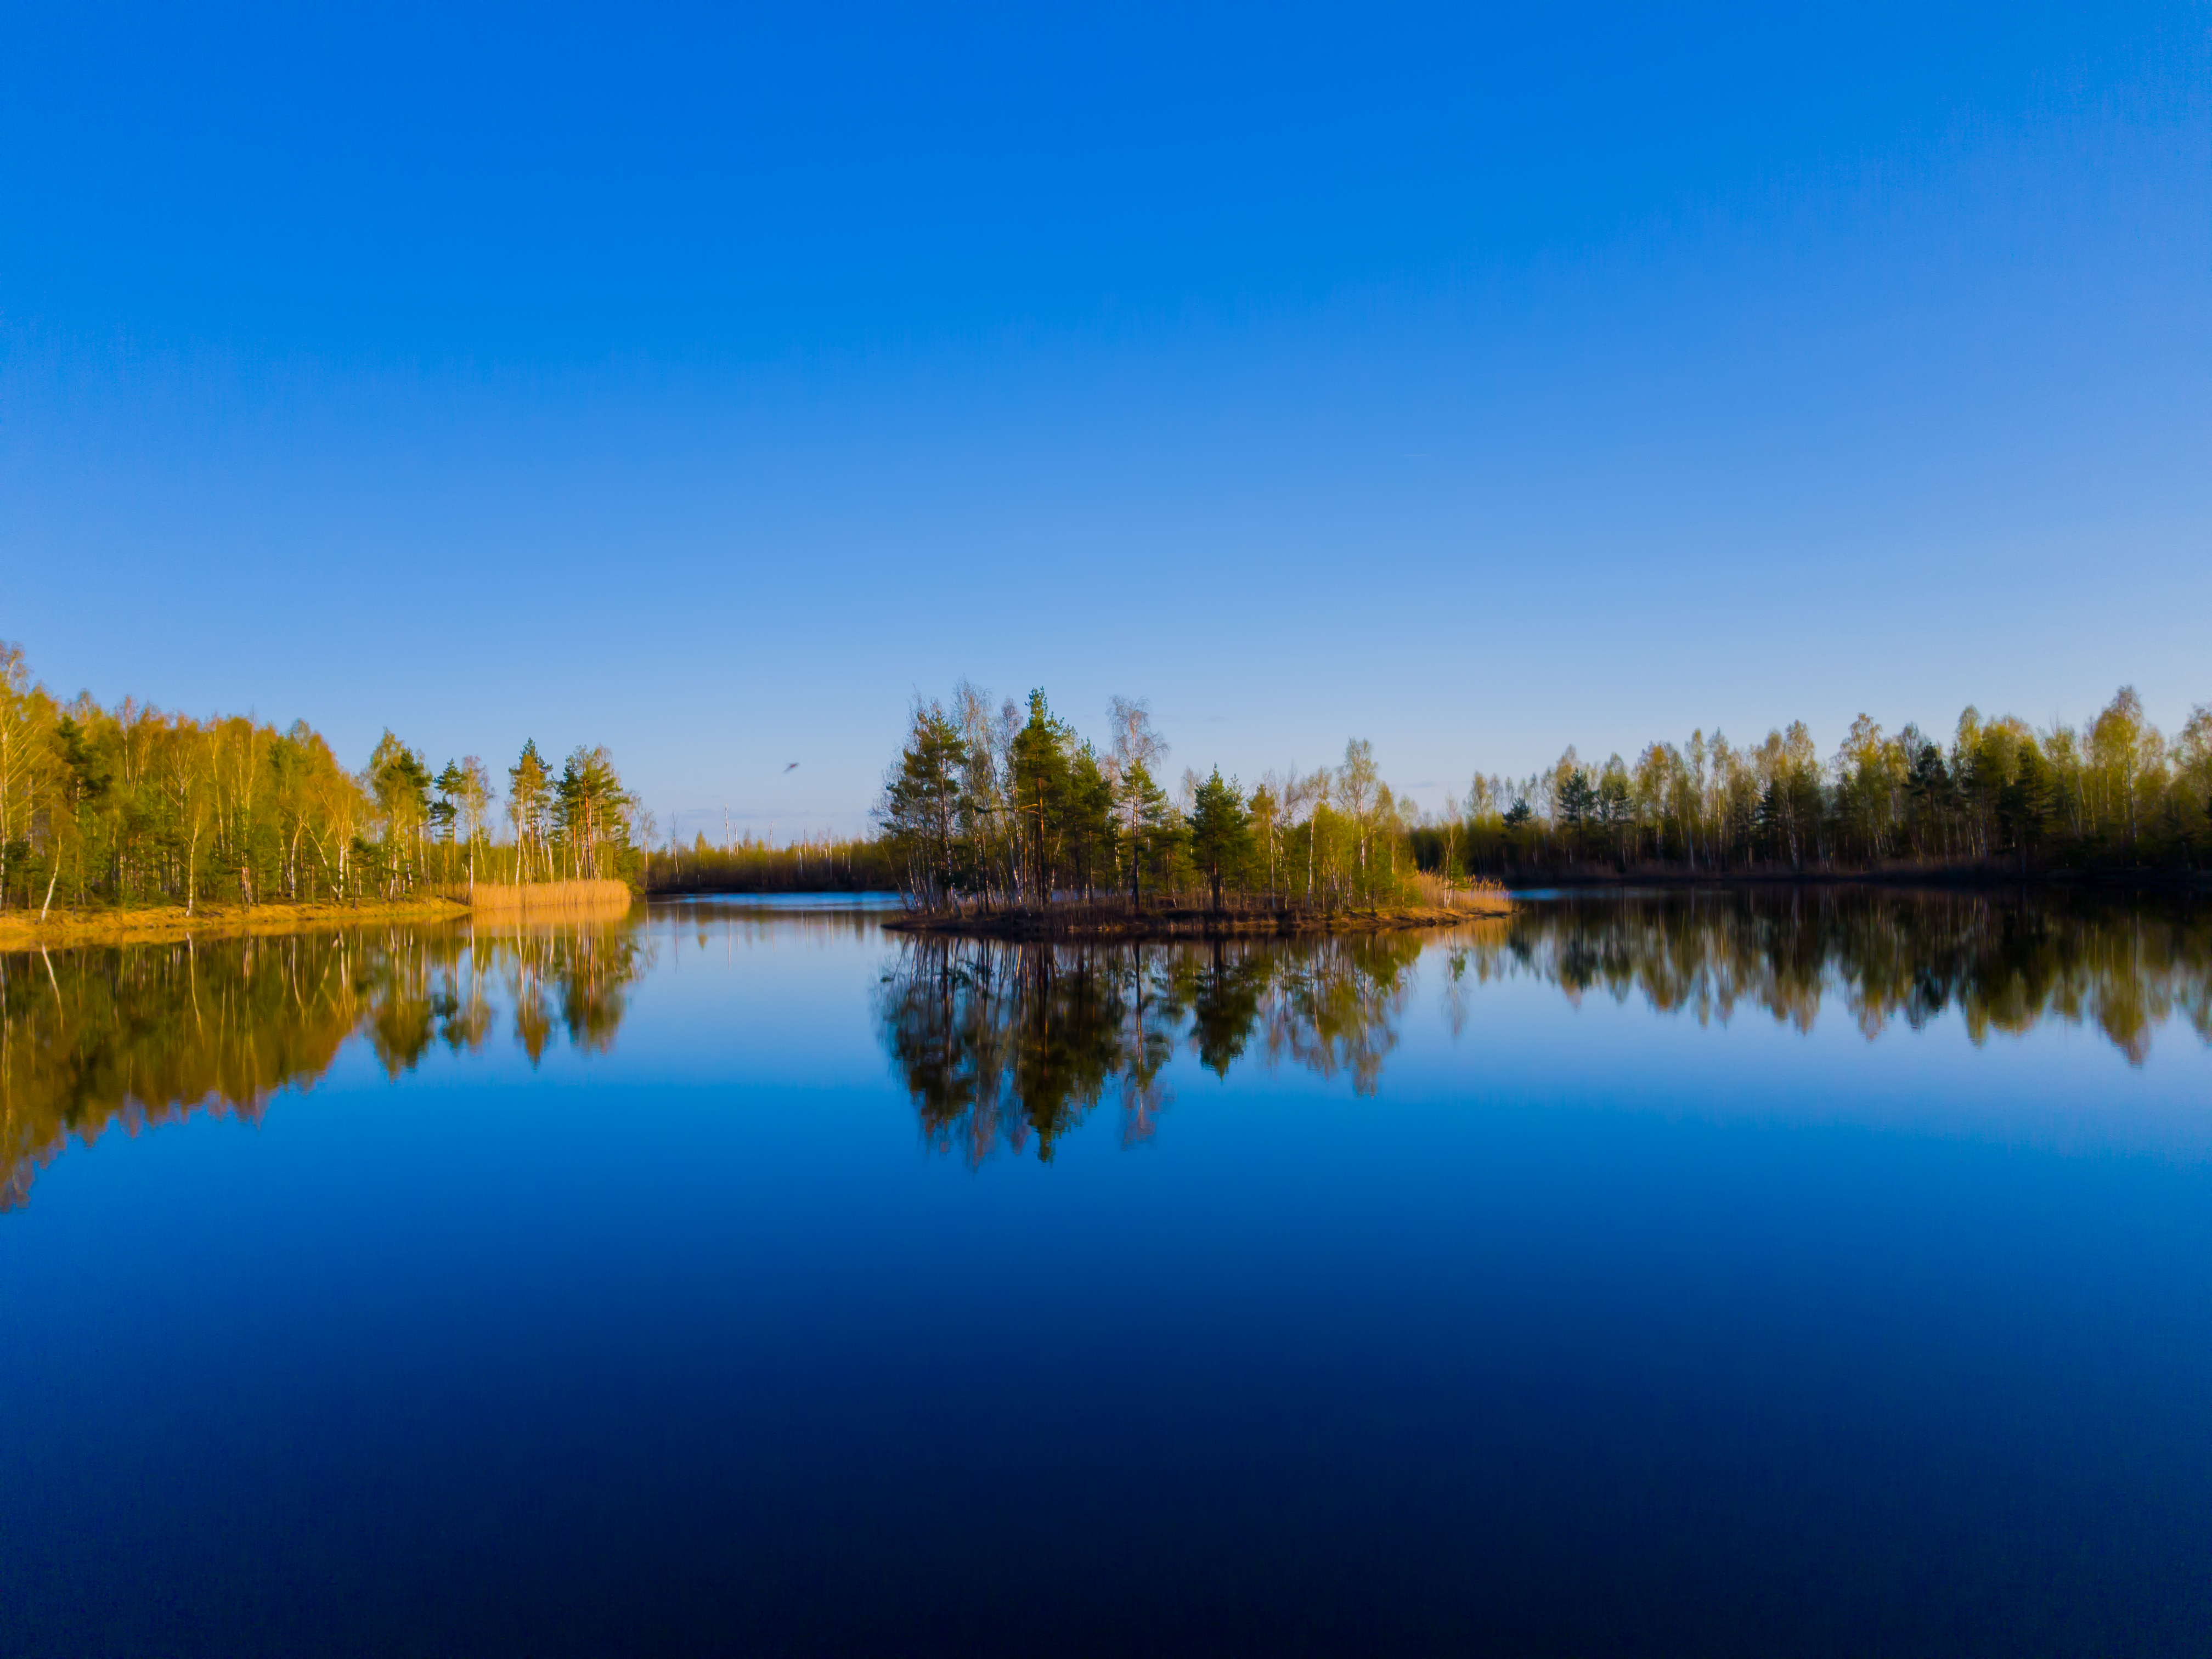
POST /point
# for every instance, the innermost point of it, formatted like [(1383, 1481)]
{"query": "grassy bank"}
[(23, 929)]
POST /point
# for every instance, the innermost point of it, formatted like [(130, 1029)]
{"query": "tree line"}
[(133, 805), (832, 864), (1998, 795), (1006, 804), (1009, 805)]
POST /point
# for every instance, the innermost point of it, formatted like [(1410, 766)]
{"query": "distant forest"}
[(752, 865), (1998, 796), (1006, 804)]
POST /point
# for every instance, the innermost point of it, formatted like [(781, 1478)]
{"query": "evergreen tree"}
[(1220, 831)]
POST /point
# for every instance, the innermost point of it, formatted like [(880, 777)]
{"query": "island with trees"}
[(1004, 821)]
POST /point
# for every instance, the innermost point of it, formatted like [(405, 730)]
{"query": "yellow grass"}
[(21, 930), (1470, 897), (546, 898)]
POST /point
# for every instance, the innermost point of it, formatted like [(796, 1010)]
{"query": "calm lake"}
[(1813, 1274)]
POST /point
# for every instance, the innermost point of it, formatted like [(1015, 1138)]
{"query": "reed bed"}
[(541, 898), (1474, 896), (157, 923)]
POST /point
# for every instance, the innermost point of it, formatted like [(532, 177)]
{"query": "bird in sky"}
[(793, 767)]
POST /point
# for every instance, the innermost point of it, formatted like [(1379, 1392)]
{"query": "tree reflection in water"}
[(1007, 1046), (2005, 964), (1011, 1045), (133, 1034)]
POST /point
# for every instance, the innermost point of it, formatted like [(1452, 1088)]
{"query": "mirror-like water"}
[(1815, 1273)]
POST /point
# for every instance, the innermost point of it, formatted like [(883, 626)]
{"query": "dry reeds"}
[(153, 924), (1475, 896), (539, 898)]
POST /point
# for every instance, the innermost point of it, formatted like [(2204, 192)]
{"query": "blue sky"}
[(1476, 381)]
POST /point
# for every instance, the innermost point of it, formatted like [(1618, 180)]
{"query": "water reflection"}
[(2004, 964), (1005, 1045), (734, 919), (1009, 1046), (133, 1034)]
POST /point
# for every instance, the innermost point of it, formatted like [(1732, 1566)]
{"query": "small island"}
[(1007, 825)]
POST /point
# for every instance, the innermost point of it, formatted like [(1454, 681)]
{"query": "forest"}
[(1009, 806), (1999, 797), (750, 865), (1006, 804), (132, 806)]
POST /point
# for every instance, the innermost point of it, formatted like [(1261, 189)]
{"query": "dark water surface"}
[(1816, 1275)]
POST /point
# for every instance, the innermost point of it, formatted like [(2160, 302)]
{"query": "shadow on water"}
[(1006, 1046), (129, 1036)]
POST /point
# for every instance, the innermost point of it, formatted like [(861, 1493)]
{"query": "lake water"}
[(1816, 1274)]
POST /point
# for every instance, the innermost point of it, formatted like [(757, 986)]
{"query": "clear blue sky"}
[(1474, 380)]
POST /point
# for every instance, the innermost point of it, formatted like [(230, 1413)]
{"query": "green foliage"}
[(132, 805), (1220, 833), (591, 808), (752, 865), (1010, 805), (2000, 796), (925, 805)]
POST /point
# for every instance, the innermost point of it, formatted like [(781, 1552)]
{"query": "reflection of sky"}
[(737, 903), (1587, 1317)]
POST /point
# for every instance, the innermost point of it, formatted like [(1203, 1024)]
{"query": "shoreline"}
[(491, 904), (160, 924), (1093, 921), (1976, 879)]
